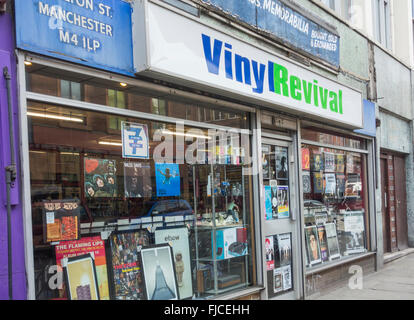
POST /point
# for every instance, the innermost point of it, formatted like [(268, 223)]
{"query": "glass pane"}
[(335, 201)]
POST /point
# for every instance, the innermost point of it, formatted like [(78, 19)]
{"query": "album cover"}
[(275, 202), (285, 248), (137, 180), (60, 220), (265, 162), (287, 277), (340, 163), (80, 278), (100, 178), (167, 178), (340, 185), (179, 241), (277, 280), (323, 243), (330, 183), (282, 171), (350, 164), (159, 272), (321, 218), (317, 161), (305, 159), (317, 183), (353, 185), (269, 248), (332, 241), (306, 180), (127, 280), (312, 245), (283, 202), (95, 245), (329, 161), (276, 252)]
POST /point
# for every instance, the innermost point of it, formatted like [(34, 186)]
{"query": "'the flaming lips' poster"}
[(76, 248)]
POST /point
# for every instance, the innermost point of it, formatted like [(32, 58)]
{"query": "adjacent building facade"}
[(184, 149)]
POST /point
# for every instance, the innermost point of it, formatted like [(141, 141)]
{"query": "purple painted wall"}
[(7, 59)]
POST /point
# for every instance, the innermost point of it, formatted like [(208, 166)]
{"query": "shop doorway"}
[(394, 202), (279, 229)]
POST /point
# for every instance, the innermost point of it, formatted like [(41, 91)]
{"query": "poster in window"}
[(178, 239), (312, 245), (283, 202), (323, 243), (316, 161), (340, 163), (159, 272), (340, 185), (167, 178), (60, 220), (268, 203), (80, 277), (277, 280), (95, 245), (352, 233), (305, 159), (275, 204), (330, 183), (269, 253), (137, 180), (353, 185), (282, 172), (135, 142), (317, 182), (332, 241), (350, 168), (276, 252), (306, 180), (127, 281), (285, 249), (265, 162), (329, 162), (100, 178), (286, 277)]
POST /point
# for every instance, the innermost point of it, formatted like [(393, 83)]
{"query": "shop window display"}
[(335, 202), (127, 209)]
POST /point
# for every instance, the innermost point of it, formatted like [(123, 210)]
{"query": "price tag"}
[(50, 217)]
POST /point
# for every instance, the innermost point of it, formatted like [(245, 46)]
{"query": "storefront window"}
[(335, 202), (175, 225)]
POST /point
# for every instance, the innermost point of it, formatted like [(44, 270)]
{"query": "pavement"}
[(393, 282)]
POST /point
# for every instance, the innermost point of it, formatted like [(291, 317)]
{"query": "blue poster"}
[(95, 33), (167, 177), (268, 203), (135, 142), (285, 23)]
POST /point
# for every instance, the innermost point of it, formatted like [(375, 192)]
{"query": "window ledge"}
[(240, 294), (338, 263)]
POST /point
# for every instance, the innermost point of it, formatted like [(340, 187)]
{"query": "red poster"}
[(305, 159), (93, 245)]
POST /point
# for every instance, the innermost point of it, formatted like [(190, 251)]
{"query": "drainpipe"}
[(10, 178)]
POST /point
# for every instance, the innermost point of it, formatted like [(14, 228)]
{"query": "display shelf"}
[(231, 288), (219, 175)]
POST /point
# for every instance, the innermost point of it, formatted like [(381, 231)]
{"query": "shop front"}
[(138, 187)]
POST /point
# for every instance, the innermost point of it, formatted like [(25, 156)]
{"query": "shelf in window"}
[(210, 227), (218, 260), (224, 290)]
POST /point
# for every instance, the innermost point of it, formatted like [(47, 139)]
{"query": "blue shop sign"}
[(370, 127), (286, 24), (95, 33)]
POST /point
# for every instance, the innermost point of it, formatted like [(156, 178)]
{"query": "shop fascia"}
[(280, 80), (203, 57)]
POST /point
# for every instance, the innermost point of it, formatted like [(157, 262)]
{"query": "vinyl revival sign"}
[(96, 33), (222, 63), (285, 23)]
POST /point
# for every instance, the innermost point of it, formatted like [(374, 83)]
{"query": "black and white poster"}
[(287, 277), (285, 248), (277, 280), (306, 179), (352, 234), (137, 180), (282, 172)]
